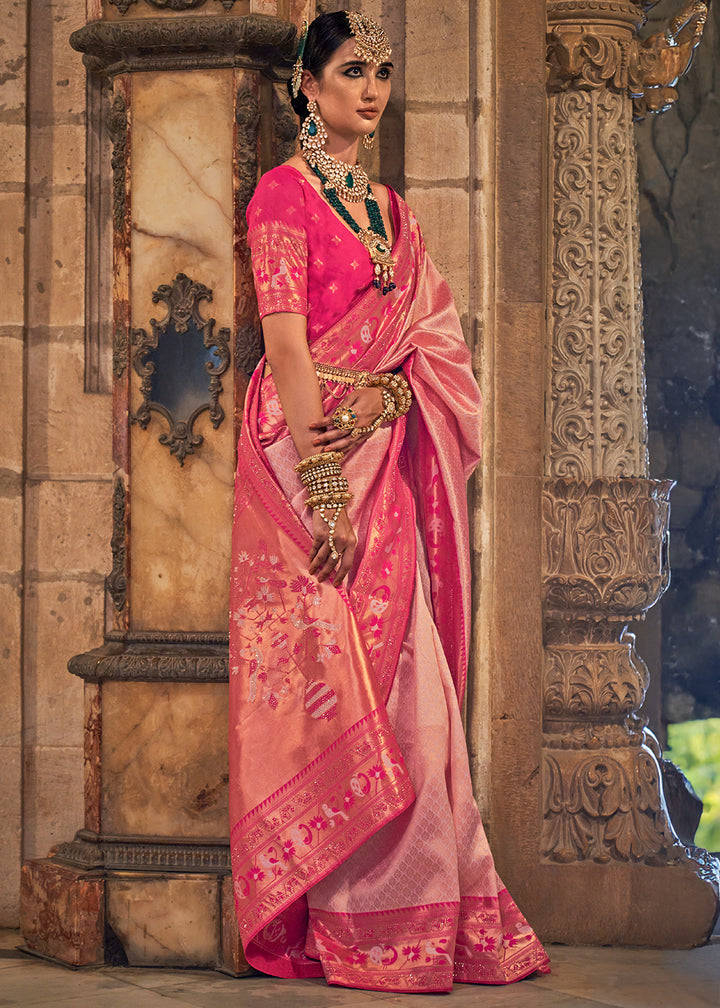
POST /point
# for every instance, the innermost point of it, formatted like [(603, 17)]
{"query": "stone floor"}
[(581, 978)]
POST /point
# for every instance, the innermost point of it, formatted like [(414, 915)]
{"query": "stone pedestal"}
[(196, 108)]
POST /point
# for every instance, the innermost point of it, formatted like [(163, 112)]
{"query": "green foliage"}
[(694, 746)]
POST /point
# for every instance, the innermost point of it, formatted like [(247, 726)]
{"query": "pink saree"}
[(357, 848)]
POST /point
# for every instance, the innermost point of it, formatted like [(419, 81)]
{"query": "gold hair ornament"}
[(298, 68), (371, 42)]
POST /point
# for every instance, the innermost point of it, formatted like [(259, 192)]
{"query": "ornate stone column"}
[(196, 110), (605, 524)]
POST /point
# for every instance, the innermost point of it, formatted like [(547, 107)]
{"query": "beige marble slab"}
[(164, 759), (166, 921), (182, 222)]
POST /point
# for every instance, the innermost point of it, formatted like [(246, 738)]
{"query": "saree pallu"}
[(357, 849)]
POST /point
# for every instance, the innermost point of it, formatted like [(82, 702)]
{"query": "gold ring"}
[(344, 418)]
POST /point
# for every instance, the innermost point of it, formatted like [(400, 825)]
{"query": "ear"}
[(309, 86)]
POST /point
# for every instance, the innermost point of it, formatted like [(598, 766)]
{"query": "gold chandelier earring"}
[(313, 135), (368, 140)]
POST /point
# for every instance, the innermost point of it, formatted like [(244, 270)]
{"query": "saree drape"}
[(357, 850)]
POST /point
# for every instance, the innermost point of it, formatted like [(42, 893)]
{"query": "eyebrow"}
[(358, 62)]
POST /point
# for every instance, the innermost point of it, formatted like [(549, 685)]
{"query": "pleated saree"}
[(358, 851)]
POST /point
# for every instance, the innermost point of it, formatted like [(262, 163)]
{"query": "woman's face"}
[(351, 95)]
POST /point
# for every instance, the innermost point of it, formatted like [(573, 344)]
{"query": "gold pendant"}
[(381, 258)]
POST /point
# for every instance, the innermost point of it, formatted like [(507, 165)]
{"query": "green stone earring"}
[(313, 135)]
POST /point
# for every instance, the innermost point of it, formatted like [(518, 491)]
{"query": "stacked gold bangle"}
[(328, 490), (394, 387)]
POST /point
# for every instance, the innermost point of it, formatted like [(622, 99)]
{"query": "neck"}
[(342, 149)]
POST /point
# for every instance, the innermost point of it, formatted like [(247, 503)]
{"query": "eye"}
[(384, 73), (354, 71)]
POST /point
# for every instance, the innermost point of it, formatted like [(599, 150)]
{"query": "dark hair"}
[(326, 34)]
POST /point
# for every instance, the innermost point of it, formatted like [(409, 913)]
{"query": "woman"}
[(358, 851)]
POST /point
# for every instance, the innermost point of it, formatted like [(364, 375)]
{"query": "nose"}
[(371, 90)]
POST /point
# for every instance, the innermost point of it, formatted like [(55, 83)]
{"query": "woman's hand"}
[(366, 403), (345, 540)]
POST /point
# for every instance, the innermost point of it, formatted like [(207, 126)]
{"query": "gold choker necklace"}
[(350, 182)]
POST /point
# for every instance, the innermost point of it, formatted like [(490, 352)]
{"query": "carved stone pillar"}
[(605, 524), (197, 110)]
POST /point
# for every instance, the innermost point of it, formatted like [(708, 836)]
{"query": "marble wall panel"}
[(164, 758), (63, 913), (182, 222), (181, 524), (232, 957), (92, 747), (68, 616), (182, 128), (166, 921), (53, 796)]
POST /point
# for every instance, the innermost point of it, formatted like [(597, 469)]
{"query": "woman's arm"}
[(297, 385)]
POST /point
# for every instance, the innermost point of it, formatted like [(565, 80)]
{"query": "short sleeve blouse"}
[(304, 258)]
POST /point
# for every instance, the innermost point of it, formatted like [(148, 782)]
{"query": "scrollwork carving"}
[(247, 118), (600, 682), (152, 663), (182, 298), (120, 352), (601, 809), (605, 547), (597, 422), (123, 5), (248, 347), (117, 123), (116, 581), (248, 337)]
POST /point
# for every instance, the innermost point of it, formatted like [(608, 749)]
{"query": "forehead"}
[(344, 52)]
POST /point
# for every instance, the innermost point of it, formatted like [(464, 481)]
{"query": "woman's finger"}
[(346, 562)]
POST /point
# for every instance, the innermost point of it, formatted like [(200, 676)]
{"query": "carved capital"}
[(593, 46), (606, 807), (605, 682), (175, 43), (604, 547), (611, 12)]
